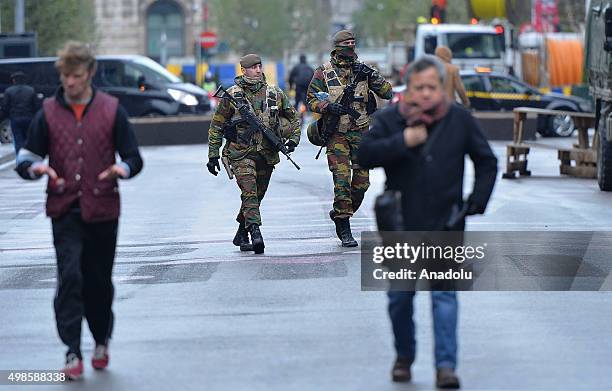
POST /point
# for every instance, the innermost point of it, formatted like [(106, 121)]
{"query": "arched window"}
[(165, 22)]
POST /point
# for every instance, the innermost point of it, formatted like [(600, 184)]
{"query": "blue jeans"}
[(19, 127), (444, 309)]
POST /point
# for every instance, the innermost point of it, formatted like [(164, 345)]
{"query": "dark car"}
[(490, 91), (143, 87)]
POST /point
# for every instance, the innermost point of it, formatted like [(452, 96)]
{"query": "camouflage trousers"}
[(253, 176), (350, 180)]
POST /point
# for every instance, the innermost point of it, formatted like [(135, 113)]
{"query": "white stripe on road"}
[(115, 278)]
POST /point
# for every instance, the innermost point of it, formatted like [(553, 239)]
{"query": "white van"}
[(472, 45)]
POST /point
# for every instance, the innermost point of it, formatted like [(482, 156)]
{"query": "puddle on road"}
[(37, 277), (129, 254), (300, 271), (177, 271), (169, 273)]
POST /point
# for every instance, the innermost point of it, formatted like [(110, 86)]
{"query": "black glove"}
[(290, 145), (336, 109), (356, 67), (213, 163)]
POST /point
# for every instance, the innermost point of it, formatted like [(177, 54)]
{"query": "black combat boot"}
[(332, 215), (345, 232), (256, 239), (241, 239)]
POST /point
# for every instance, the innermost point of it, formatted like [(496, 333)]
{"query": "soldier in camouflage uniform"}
[(350, 180), (251, 162)]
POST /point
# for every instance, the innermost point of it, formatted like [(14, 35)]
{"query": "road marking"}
[(115, 278), (9, 164)]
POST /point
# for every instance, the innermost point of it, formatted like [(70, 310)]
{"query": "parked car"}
[(142, 86), (492, 91)]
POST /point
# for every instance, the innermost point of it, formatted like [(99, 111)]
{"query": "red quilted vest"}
[(78, 152)]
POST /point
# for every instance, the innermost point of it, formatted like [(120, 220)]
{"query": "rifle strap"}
[(270, 104), (271, 109), (335, 87)]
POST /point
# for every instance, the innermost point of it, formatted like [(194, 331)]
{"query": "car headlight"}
[(183, 97)]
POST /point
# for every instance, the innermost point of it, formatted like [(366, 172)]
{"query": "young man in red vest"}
[(80, 129)]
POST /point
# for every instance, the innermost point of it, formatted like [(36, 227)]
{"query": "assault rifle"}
[(255, 124), (332, 121)]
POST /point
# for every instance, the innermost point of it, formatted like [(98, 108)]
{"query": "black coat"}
[(430, 176), (19, 101), (300, 76)]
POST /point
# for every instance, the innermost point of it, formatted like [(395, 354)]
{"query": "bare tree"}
[(270, 27), (518, 12), (571, 15), (55, 21)]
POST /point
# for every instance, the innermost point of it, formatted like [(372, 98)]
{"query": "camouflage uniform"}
[(349, 190), (252, 164)]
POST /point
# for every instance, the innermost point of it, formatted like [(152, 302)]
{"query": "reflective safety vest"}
[(335, 87)]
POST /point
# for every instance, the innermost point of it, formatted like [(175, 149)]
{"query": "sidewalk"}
[(7, 154)]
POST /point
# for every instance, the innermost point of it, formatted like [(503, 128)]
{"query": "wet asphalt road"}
[(194, 313)]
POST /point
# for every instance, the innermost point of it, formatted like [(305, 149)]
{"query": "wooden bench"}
[(583, 155)]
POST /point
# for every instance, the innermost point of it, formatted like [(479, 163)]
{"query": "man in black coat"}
[(421, 143), (299, 79), (19, 104)]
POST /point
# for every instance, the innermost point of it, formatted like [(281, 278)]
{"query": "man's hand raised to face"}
[(415, 135)]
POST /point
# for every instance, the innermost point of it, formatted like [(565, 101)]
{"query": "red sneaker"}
[(100, 358), (73, 368)]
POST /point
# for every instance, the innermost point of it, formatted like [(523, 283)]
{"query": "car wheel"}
[(561, 125), (604, 159), (6, 136)]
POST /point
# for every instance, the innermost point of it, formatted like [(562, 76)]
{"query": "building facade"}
[(165, 29), (159, 29)]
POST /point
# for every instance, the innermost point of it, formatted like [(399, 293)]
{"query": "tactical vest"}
[(268, 114), (335, 87)]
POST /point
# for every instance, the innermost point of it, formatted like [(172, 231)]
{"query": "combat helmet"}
[(315, 132)]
